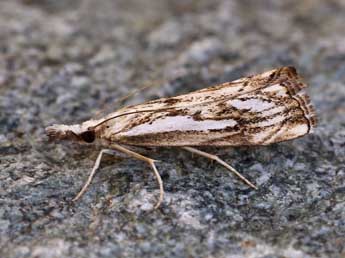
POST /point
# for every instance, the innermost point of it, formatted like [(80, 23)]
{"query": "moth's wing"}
[(203, 96), (260, 110), (207, 95)]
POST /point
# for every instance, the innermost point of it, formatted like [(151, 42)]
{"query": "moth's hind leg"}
[(220, 161), (133, 154)]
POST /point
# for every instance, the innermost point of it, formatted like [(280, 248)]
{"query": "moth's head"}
[(71, 132)]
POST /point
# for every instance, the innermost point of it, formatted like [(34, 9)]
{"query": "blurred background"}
[(66, 61)]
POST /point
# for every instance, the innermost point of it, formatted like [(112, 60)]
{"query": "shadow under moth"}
[(255, 110)]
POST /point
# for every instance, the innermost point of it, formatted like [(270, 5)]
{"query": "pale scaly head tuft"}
[(70, 132)]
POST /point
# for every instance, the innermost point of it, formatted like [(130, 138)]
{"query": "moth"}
[(255, 110)]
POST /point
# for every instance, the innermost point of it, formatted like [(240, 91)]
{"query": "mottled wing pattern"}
[(258, 110)]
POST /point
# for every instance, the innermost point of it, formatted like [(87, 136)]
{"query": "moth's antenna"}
[(129, 113), (130, 94), (134, 92)]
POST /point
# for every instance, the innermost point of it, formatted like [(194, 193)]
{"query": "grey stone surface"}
[(63, 61)]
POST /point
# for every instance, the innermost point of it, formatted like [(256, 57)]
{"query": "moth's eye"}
[(88, 136)]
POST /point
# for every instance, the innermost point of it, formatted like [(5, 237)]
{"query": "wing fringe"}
[(289, 78)]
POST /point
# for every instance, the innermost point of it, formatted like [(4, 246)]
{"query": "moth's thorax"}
[(106, 130)]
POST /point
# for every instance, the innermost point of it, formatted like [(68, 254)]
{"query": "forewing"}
[(258, 110)]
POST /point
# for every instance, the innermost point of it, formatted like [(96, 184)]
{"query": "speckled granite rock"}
[(63, 61)]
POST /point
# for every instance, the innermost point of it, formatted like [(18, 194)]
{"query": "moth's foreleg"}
[(133, 154), (93, 171), (220, 161)]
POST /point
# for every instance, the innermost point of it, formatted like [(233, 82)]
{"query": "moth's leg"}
[(151, 162), (220, 161), (93, 171)]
